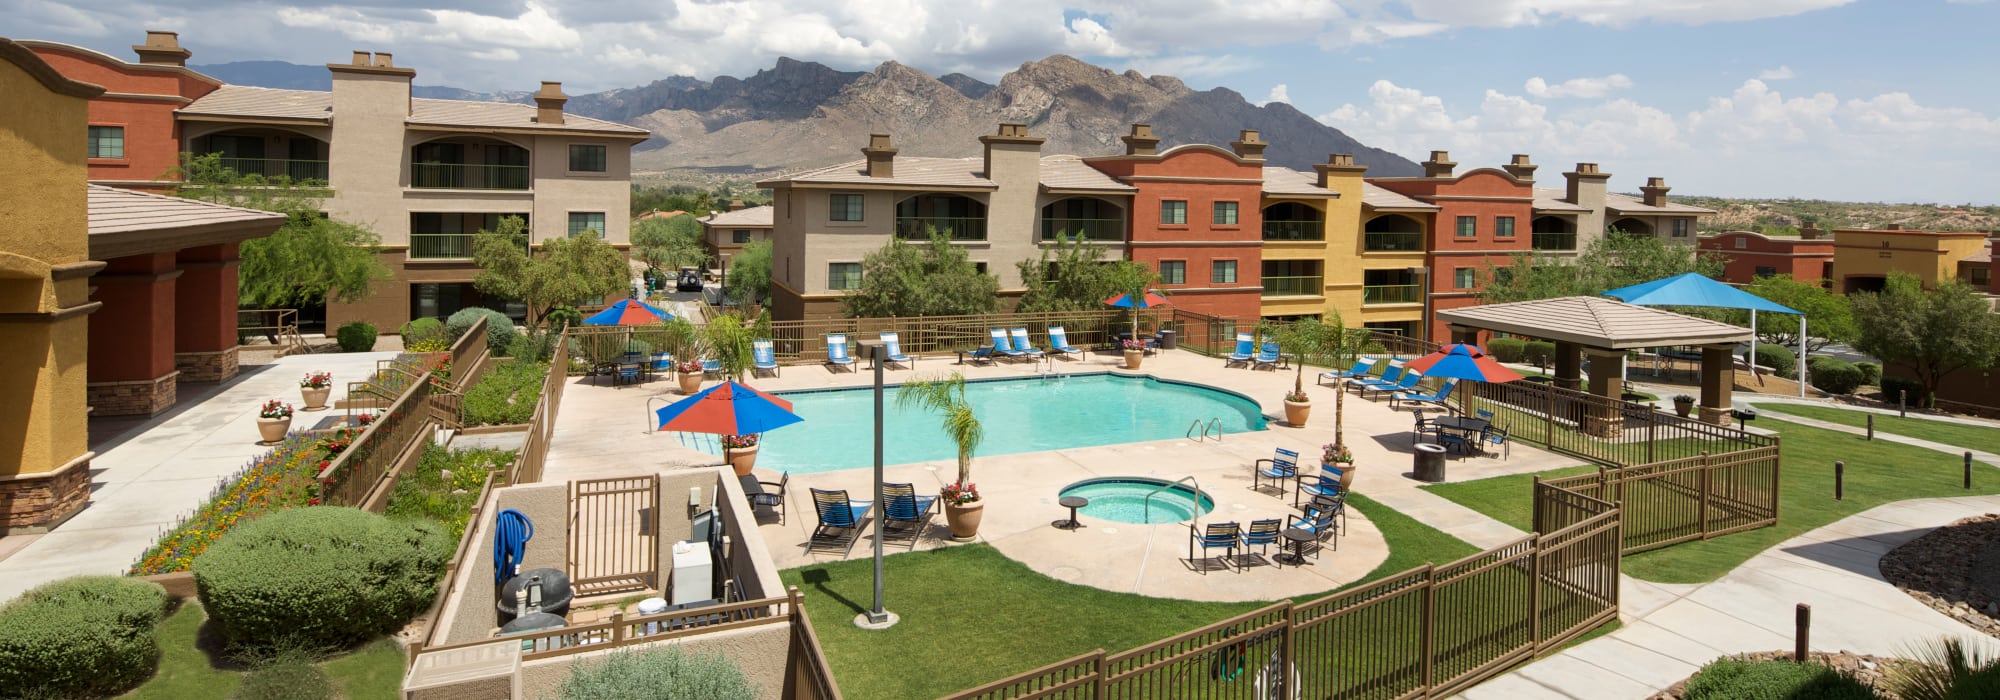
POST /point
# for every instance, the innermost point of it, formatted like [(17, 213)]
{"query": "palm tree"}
[(1947, 669), (947, 396)]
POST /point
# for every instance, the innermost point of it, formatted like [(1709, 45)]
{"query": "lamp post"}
[(876, 618)]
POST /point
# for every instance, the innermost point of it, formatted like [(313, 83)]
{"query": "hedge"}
[(1835, 376), (84, 635), (656, 672), (358, 336), (1777, 357), (1538, 352), (500, 331), (1506, 349), (1871, 373), (1729, 679), (506, 395), (319, 577), (425, 335), (1892, 385)]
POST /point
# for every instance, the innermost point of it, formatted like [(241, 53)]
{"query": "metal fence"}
[(366, 464), (804, 342), (811, 677), (542, 424), (613, 546), (279, 326), (1674, 501)]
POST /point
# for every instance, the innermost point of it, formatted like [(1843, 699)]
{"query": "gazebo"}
[(1606, 330)]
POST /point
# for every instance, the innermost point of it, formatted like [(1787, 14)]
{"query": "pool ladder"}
[(1199, 431), (1196, 512)]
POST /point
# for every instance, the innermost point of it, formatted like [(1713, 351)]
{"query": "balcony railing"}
[(1392, 242), (297, 170), (1553, 241), (1309, 285), (441, 246), (957, 228), (1392, 294), (468, 176), (1281, 230), (1084, 229)]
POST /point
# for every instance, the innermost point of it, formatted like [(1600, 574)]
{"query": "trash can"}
[(1168, 340), (1430, 463)]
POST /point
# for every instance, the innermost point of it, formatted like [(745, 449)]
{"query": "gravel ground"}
[(1955, 569)]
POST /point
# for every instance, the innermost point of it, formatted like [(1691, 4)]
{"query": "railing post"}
[(1286, 654), (1839, 479), (1549, 416), (1535, 505), (1098, 691), (1702, 513), (1426, 638), (1535, 589), (617, 627)]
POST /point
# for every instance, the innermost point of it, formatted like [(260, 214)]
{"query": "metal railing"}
[(1147, 502), (441, 246), (957, 228), (527, 467), (469, 176), (1283, 230), (1699, 497), (297, 170), (280, 326), (1300, 285), (1552, 241), (1386, 242), (1392, 294), (612, 546), (804, 342), (1199, 430), (1084, 229), (354, 474)]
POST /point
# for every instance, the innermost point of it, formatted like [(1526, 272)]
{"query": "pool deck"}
[(601, 431)]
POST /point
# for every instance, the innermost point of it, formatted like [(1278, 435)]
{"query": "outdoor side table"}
[(1072, 503), (1297, 539)]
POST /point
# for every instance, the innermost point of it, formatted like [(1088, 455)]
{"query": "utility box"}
[(693, 577)]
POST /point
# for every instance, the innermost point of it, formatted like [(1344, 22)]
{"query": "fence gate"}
[(613, 535)]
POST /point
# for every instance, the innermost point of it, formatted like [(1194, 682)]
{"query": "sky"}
[(1864, 100)]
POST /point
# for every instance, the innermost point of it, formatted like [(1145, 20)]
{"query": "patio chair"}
[(1002, 346), (1327, 483), (979, 356), (711, 368), (663, 362), (1321, 514), (906, 513), (1022, 344), (1483, 414), (1059, 343), (763, 357), (1270, 357), (1317, 520), (1454, 441), (1389, 378), (892, 351), (836, 352), (759, 497), (836, 513), (1262, 534), (1246, 350), (628, 373), (1223, 536), (1279, 467), (1436, 398), (1360, 369), (1409, 382), (1496, 435), (1423, 426)]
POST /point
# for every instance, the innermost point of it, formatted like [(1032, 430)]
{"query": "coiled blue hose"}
[(511, 533)]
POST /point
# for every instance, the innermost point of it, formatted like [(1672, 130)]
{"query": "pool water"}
[(1018, 415), (1124, 499)]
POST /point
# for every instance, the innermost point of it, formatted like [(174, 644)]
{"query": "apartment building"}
[(1749, 255), (1863, 259), (1479, 219), (1197, 219), (1366, 242), (724, 233)]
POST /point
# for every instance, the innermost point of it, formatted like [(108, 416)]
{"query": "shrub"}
[(319, 577), (425, 335), (656, 672), (1729, 679), (287, 674), (1507, 349), (1834, 376), (358, 336), (506, 395), (1538, 352), (533, 346), (1777, 357), (424, 492), (1871, 373), (500, 333), (1374, 347), (1892, 385), (84, 635), (562, 317)]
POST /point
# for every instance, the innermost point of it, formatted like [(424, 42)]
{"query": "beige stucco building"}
[(725, 233)]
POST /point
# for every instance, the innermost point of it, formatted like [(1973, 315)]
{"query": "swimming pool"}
[(1124, 499), (1019, 415)]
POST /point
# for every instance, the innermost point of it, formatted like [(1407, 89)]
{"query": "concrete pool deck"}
[(601, 431)]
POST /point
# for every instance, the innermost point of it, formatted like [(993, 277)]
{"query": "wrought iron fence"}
[(1084, 229), (1392, 294), (1282, 230), (1699, 497), (1379, 242), (1293, 285), (350, 477), (612, 546), (469, 176)]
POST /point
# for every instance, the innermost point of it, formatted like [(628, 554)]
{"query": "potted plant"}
[(688, 373), (1335, 454), (273, 420), (741, 452), (1298, 406), (315, 388), (1683, 405), (1135, 351), (962, 505)]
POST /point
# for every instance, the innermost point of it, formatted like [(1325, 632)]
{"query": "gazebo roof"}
[(125, 222), (1595, 322)]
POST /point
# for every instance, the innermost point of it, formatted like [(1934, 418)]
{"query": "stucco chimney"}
[(1439, 165), (1012, 137), (736, 205), (1249, 145), (549, 103), (1810, 232), (881, 155), (1338, 164), (1521, 168), (362, 58), (384, 59), (1655, 192), (162, 49), (1141, 141), (1587, 186)]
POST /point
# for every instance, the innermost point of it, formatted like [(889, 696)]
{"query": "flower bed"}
[(279, 479)]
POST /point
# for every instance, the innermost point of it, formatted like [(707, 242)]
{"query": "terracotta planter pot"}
[(1296, 413), (315, 398), (964, 520), (1683, 408), (1346, 476), (690, 382), (1132, 358), (273, 429), (741, 459)]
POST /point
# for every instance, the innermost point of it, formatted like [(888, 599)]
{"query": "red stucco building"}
[(1482, 219), (1751, 255), (1196, 219), (134, 139)]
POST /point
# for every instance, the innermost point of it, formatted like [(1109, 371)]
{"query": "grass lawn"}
[(190, 666), (1508, 499), (1966, 436)]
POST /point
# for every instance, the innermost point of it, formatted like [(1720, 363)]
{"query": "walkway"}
[(1954, 450), (149, 472), (1667, 637)]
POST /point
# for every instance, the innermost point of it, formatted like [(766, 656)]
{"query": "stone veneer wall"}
[(144, 397), (39, 502), (206, 366)]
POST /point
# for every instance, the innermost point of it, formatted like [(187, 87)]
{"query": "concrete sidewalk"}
[(1980, 455)]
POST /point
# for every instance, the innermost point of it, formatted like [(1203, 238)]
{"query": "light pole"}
[(876, 618)]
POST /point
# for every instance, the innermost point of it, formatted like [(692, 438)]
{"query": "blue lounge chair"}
[(763, 357), (663, 362), (711, 368), (1389, 378), (1246, 350), (1059, 343), (1435, 398), (1262, 534), (1223, 536), (892, 351), (1281, 466), (979, 356), (904, 512), (1002, 346), (836, 513), (1410, 379), (1360, 369), (1269, 357), (1327, 483), (836, 352), (1022, 346)]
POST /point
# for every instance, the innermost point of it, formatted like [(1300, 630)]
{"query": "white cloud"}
[(1778, 73), (1515, 13), (1578, 87), (1278, 94)]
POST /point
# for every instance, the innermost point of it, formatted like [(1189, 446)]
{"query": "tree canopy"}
[(669, 244), (749, 273), (1614, 261), (1077, 275), (561, 271), (1829, 316), (933, 278), (1934, 332), (309, 258)]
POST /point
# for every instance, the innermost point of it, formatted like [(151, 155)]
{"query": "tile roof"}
[(1628, 204), (112, 210), (246, 101), (1382, 198), (753, 217), (1286, 181), (1067, 172), (1547, 199), (1596, 322), (910, 171)]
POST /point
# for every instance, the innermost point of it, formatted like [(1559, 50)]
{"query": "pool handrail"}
[(1213, 423), (1196, 511)]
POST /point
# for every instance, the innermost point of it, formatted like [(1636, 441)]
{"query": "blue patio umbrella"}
[(1696, 289), (729, 408), (1146, 299), (628, 312)]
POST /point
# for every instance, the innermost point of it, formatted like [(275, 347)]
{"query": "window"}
[(1765, 271), (1173, 211), (1468, 226), (1223, 272), (1225, 213), (1742, 243), (843, 275), (1173, 272), (1680, 228), (581, 221), (1503, 227), (586, 159), (739, 236), (843, 207), (979, 267), (107, 142), (1464, 277)]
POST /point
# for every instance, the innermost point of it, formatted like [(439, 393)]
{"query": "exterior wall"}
[(1930, 256), (1363, 313), (1588, 190), (469, 614), (141, 98), (1320, 250), (1798, 258), (132, 336), (1013, 214), (1200, 175), (722, 243), (1485, 194), (205, 313)]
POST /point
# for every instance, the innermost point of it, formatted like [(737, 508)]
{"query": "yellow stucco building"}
[(1335, 243), (1863, 258)]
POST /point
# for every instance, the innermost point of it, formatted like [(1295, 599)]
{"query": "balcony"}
[(468, 176), (1284, 230), (1392, 294), (957, 228), (1084, 229), (1392, 242), (1299, 286), (297, 170), (441, 246), (1553, 241)]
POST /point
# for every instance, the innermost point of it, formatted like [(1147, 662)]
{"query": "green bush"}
[(322, 576), (656, 672), (500, 333), (1834, 376), (1781, 360), (358, 336), (426, 493), (1871, 373), (506, 395), (1374, 347), (1538, 352), (290, 675), (562, 317), (84, 635), (425, 335), (1728, 679), (1892, 385), (1507, 349), (532, 346)]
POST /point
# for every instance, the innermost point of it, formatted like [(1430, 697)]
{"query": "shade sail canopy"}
[(628, 312), (729, 408), (1694, 289)]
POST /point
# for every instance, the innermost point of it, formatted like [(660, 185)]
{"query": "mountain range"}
[(800, 114)]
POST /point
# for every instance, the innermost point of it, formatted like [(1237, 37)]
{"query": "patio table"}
[(1468, 427), (1297, 539)]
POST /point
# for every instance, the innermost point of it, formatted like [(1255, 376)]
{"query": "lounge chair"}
[(1023, 346), (1223, 536), (1389, 378), (1262, 534), (1003, 346), (1409, 382), (763, 357), (1435, 398), (892, 351), (1326, 484), (906, 513), (1360, 369), (1279, 467), (836, 513), (836, 352), (979, 356), (1059, 343), (711, 368), (1270, 357), (759, 497), (1246, 350)]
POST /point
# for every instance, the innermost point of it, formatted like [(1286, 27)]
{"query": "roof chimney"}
[(1521, 169), (881, 155), (384, 59), (1893, 227), (162, 49), (1439, 165), (1585, 176), (1810, 231), (1248, 146), (548, 103), (1341, 163), (362, 58), (1141, 141), (736, 205), (1655, 191), (1013, 136)]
